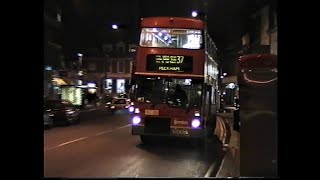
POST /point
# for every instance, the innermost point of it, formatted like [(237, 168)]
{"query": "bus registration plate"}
[(151, 112)]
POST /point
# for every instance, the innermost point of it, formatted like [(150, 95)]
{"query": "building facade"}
[(111, 72), (262, 36), (119, 67), (53, 49)]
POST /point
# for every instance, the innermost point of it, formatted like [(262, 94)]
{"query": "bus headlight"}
[(195, 123), (131, 109), (136, 120)]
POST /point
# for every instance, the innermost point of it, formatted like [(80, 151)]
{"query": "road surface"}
[(102, 146)]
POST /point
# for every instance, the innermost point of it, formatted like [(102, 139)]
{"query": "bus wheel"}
[(145, 139)]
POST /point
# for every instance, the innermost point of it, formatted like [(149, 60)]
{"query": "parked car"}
[(62, 111), (47, 120)]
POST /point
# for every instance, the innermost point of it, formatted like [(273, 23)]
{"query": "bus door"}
[(208, 109)]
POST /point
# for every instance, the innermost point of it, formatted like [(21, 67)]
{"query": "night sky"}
[(87, 21)]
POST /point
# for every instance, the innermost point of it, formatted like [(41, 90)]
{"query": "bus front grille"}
[(155, 125)]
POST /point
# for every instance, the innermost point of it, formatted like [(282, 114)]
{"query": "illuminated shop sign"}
[(176, 63)]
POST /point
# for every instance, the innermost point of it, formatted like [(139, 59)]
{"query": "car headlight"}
[(136, 120), (131, 109), (195, 123), (112, 107)]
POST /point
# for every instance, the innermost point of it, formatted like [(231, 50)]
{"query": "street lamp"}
[(114, 26), (80, 73), (80, 60), (194, 13)]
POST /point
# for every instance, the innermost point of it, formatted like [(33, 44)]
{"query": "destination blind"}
[(175, 63)]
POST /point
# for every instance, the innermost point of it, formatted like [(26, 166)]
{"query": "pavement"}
[(102, 146), (230, 165)]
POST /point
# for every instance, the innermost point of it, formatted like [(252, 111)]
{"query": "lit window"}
[(108, 85), (171, 38), (120, 86)]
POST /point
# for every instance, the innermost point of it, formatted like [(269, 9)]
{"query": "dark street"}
[(102, 146), (160, 88)]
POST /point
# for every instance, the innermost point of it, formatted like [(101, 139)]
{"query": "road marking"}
[(69, 142), (221, 129), (223, 137), (79, 139), (92, 109), (210, 169), (111, 130), (224, 132), (219, 171)]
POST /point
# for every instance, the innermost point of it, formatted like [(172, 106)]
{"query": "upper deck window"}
[(171, 38)]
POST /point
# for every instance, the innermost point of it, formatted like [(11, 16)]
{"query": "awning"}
[(60, 81)]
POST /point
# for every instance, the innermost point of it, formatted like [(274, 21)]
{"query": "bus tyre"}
[(145, 139)]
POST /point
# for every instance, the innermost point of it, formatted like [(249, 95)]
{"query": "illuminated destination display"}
[(176, 63)]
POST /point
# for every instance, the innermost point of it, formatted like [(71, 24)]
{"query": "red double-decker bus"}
[(175, 77)]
